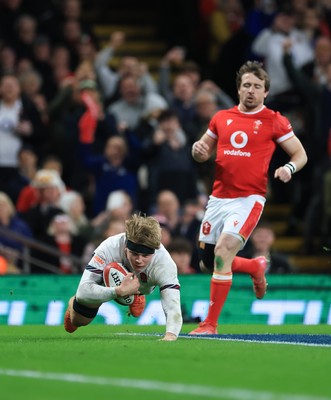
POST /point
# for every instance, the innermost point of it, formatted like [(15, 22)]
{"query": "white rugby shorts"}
[(237, 217)]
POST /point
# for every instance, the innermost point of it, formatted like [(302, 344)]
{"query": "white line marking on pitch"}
[(227, 339), (168, 387)]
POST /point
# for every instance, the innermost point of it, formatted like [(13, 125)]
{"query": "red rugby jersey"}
[(245, 144)]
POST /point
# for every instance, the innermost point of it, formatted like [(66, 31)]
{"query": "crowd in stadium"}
[(84, 144)]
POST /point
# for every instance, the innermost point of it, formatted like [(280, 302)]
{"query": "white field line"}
[(194, 337), (166, 387)]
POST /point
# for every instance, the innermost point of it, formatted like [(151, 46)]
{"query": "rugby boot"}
[(138, 305), (204, 328), (259, 281), (68, 326)]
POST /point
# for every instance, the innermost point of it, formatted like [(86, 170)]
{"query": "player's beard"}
[(250, 104)]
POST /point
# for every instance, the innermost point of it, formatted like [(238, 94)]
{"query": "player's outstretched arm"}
[(170, 299)]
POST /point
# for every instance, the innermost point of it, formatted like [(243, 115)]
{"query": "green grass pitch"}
[(121, 362)]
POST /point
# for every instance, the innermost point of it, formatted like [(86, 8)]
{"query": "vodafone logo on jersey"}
[(239, 139)]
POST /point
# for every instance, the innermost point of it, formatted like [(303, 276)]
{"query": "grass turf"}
[(142, 367)]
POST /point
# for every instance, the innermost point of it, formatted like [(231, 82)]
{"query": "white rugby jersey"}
[(161, 272)]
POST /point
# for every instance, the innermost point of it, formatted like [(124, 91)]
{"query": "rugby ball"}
[(113, 275)]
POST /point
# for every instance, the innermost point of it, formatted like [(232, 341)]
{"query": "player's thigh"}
[(244, 214)]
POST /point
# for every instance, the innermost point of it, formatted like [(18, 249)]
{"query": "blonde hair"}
[(6, 199), (143, 230)]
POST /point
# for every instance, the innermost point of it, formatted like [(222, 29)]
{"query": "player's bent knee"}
[(82, 314)]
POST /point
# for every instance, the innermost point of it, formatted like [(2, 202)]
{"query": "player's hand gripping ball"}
[(113, 275)]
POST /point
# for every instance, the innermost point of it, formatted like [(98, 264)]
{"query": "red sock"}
[(244, 265), (219, 289)]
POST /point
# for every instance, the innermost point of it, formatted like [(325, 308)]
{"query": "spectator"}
[(61, 236), (77, 108), (180, 250), (189, 227), (71, 36), (206, 106), (88, 90), (27, 168), (134, 105), (170, 164), (260, 16), (109, 78), (7, 60), (42, 55), (119, 206), (47, 15), (316, 69), (73, 204), (313, 24), (72, 10), (26, 33), (261, 244), (168, 205), (268, 45), (29, 195), (225, 21), (12, 249), (166, 234), (62, 73), (113, 169), (50, 187), (317, 124), (86, 49), (31, 84), (208, 99), (283, 94), (20, 124), (181, 99), (113, 226), (172, 64)]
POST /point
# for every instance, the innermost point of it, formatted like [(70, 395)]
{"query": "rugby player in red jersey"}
[(245, 138)]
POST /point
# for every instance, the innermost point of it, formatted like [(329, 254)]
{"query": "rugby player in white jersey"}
[(140, 251)]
